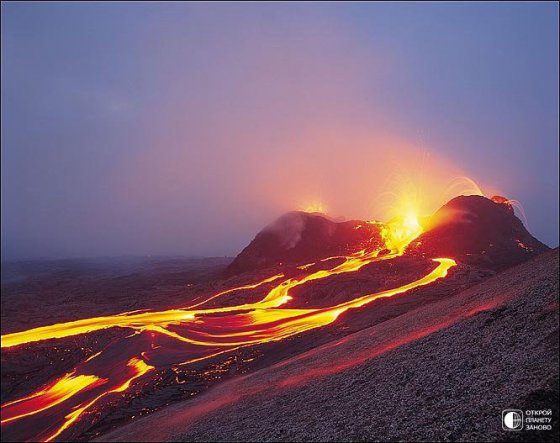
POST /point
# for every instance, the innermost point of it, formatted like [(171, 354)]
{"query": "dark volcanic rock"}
[(478, 231), (441, 372), (300, 237), (473, 229)]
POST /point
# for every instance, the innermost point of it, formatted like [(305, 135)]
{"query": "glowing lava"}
[(181, 336), (314, 207)]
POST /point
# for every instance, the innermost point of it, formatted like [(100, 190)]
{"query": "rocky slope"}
[(444, 371)]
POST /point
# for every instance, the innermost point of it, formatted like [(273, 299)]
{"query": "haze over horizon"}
[(183, 129)]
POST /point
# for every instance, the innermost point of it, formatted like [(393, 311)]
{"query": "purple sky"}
[(182, 129)]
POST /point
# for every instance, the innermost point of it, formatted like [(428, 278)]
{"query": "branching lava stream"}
[(177, 337)]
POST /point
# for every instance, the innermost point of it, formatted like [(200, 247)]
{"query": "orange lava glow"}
[(313, 207), (194, 332)]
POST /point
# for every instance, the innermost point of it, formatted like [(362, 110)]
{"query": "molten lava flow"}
[(194, 333), (77, 392), (55, 393)]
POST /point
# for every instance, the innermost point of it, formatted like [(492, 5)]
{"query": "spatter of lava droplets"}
[(178, 337)]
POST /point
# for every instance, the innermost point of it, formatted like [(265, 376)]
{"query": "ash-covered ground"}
[(441, 372), (54, 292), (41, 292), (437, 361)]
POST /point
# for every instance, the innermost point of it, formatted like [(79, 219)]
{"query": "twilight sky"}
[(182, 129)]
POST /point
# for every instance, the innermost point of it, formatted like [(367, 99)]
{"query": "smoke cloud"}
[(184, 129)]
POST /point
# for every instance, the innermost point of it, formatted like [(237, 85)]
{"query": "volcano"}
[(473, 229), (300, 237), (478, 231), (305, 285)]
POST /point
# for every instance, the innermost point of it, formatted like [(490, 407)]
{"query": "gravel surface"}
[(444, 371)]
